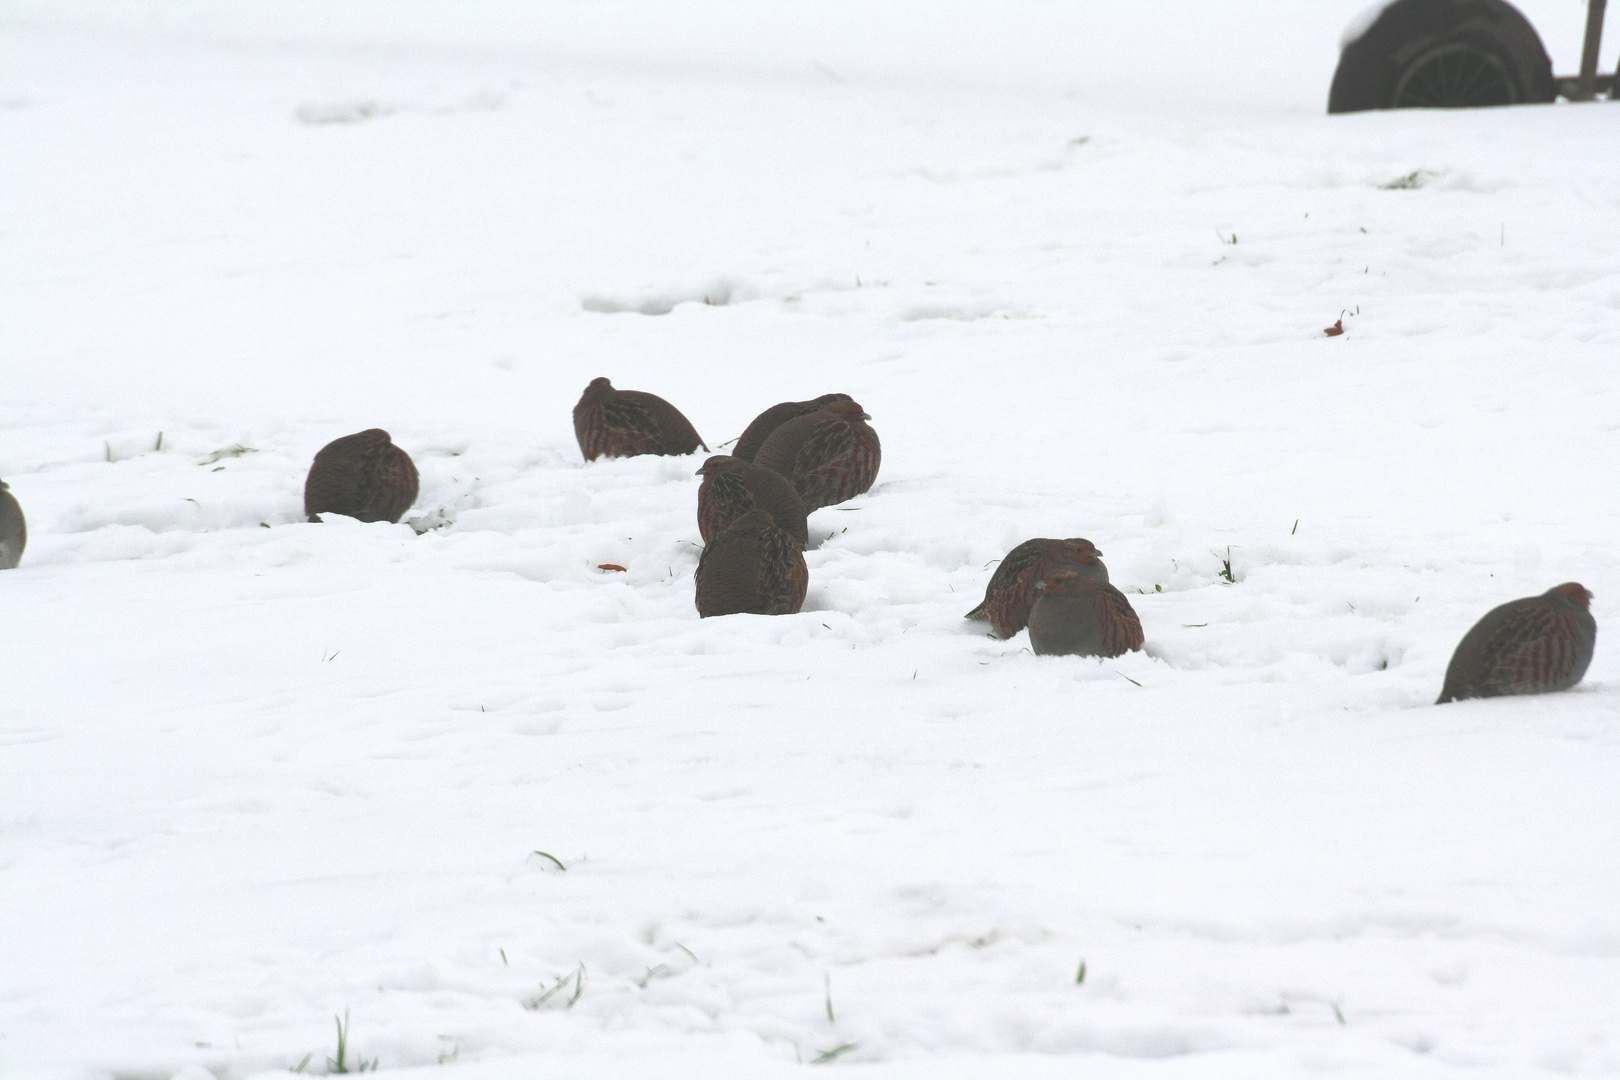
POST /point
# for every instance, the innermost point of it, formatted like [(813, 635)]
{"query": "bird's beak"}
[(866, 416)]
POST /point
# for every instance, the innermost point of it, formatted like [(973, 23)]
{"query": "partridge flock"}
[(799, 456)]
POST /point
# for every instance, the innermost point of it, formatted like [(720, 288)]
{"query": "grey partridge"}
[(755, 434), (753, 567), (363, 476), (829, 455), (1081, 616), (1529, 646), (13, 529), (627, 423), (731, 487), (1012, 589)]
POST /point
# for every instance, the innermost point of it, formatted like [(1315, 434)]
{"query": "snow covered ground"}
[(257, 773)]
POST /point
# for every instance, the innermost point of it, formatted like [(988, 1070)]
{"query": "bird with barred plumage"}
[(753, 567), (732, 487), (1012, 590), (760, 428), (829, 455), (628, 423), (1081, 616), (1534, 645), (363, 476)]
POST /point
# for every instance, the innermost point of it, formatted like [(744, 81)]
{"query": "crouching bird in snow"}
[(13, 529), (1529, 646), (829, 455), (753, 567), (363, 476), (732, 487), (1081, 616), (627, 423), (1012, 589), (755, 434)]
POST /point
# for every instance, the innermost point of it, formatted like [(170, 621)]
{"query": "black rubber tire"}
[(1443, 54)]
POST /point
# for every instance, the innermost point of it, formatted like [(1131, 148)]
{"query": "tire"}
[(1443, 54)]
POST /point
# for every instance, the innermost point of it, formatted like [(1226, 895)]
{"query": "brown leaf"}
[(1335, 330), (612, 566)]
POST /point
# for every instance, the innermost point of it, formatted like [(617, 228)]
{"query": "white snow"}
[(1076, 262)]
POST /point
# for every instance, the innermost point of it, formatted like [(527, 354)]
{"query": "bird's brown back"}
[(1534, 645), (363, 476), (1081, 616), (732, 487), (1012, 589), (755, 434), (628, 423), (830, 455), (753, 567)]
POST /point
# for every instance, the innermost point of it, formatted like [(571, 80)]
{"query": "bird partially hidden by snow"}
[(829, 455), (753, 567), (1012, 589), (13, 529), (732, 487), (362, 476), (628, 423), (1081, 616), (1530, 646), (755, 434)]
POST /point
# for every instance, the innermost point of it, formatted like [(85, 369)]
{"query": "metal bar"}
[(1603, 84), (1589, 50)]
